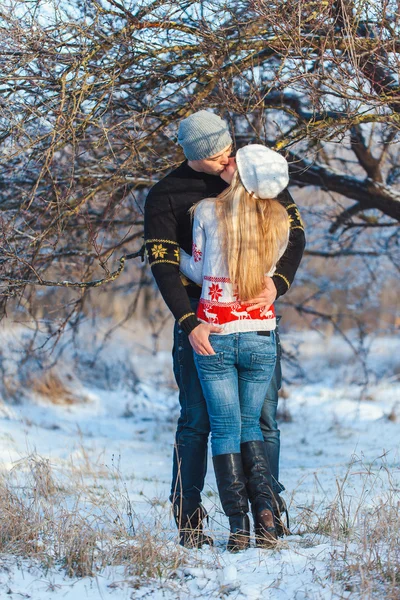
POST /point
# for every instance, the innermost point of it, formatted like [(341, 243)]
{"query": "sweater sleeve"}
[(290, 261), (162, 249), (192, 266)]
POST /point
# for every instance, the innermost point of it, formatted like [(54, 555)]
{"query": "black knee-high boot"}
[(259, 487), (190, 526), (231, 483)]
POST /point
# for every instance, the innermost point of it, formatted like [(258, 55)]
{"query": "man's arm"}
[(162, 248), (290, 261)]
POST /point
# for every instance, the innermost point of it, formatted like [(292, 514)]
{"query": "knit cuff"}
[(188, 322), (282, 284), (162, 251)]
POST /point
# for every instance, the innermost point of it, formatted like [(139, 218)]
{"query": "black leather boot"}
[(259, 487), (231, 483), (190, 527)]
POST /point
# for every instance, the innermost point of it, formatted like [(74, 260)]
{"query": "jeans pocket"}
[(262, 359), (209, 366), (262, 366)]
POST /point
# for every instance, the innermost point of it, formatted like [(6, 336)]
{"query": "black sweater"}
[(168, 226)]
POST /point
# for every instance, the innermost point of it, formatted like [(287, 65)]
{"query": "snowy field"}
[(86, 461)]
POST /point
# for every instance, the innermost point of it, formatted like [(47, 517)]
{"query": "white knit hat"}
[(263, 172)]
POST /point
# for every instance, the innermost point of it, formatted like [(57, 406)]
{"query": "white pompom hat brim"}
[(263, 172)]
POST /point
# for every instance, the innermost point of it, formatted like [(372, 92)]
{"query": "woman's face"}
[(229, 171)]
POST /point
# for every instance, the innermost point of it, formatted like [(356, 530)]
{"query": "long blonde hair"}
[(253, 234)]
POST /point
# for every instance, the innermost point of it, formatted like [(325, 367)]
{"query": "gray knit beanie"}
[(203, 134)]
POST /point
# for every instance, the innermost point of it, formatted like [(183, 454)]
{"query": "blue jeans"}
[(235, 382)]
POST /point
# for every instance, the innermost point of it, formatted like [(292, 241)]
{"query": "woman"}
[(237, 240)]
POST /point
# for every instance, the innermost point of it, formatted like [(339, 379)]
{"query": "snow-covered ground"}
[(339, 464)]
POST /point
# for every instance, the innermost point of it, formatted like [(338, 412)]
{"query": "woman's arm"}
[(192, 266)]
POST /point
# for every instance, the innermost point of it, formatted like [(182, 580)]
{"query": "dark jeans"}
[(268, 423), (190, 452)]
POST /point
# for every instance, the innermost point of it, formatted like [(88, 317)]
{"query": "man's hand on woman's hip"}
[(198, 338), (266, 298)]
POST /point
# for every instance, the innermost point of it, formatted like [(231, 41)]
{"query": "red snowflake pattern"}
[(196, 253), (215, 291), (235, 293)]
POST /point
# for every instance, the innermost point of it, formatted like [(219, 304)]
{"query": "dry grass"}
[(73, 527), (79, 525), (57, 389), (364, 528)]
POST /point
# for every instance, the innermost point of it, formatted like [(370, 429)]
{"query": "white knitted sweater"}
[(219, 304)]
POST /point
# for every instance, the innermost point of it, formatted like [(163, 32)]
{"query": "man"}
[(207, 145)]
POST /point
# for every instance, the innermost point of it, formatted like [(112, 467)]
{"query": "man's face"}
[(229, 171), (213, 165)]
